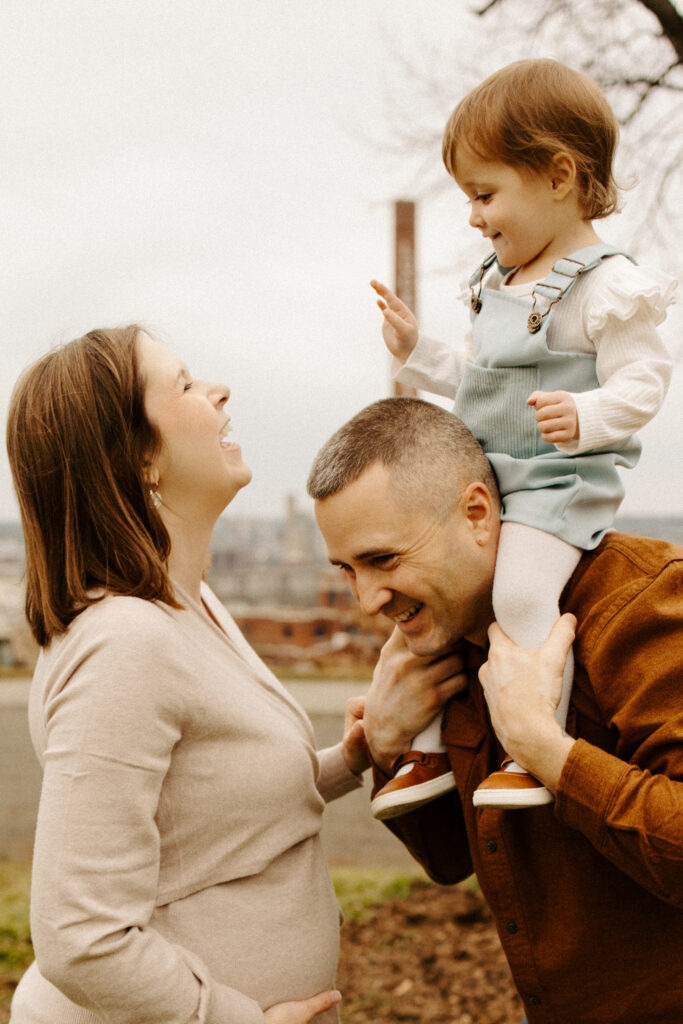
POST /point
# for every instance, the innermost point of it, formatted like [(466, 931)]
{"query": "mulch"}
[(433, 958)]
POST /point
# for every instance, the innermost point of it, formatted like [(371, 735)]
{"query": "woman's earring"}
[(155, 497)]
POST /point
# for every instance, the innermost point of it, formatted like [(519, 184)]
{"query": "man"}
[(586, 891)]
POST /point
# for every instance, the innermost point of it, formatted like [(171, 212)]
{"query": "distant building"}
[(660, 527), (273, 575), (298, 535), (12, 554), (18, 649), (334, 632), (267, 561), (300, 627)]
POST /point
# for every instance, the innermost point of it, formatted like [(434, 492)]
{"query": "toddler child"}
[(563, 362)]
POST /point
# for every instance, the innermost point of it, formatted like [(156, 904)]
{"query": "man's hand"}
[(406, 693), (399, 328), (522, 690), (556, 416)]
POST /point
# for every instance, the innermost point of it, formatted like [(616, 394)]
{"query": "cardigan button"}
[(491, 845), (534, 1001), (512, 927)]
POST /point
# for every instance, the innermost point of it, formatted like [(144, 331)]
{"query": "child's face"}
[(517, 211)]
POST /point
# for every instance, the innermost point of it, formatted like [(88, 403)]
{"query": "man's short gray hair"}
[(430, 452)]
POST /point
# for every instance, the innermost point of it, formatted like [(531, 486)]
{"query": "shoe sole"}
[(509, 800), (392, 805)]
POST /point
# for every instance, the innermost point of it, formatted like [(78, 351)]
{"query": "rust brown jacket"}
[(587, 893)]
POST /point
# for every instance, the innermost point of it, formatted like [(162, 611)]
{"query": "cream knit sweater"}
[(178, 871)]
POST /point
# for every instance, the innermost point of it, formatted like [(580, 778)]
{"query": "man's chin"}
[(427, 647)]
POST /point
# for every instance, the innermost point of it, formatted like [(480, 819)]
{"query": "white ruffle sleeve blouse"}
[(612, 311)]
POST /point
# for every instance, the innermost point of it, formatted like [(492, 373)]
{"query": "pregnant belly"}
[(273, 936)]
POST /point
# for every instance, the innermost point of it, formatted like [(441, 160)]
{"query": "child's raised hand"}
[(556, 416), (399, 328)]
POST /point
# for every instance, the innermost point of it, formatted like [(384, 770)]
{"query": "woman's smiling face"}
[(196, 468)]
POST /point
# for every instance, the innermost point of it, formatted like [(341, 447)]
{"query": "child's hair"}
[(527, 113)]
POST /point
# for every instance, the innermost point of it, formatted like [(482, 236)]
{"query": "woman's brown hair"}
[(527, 113), (78, 440)]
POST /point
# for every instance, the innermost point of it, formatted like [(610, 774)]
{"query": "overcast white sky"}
[(207, 168)]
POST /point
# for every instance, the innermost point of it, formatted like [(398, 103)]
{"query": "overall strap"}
[(563, 276), (477, 279)]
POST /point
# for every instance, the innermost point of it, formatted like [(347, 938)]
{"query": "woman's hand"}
[(399, 328), (406, 693), (354, 747), (303, 1011)]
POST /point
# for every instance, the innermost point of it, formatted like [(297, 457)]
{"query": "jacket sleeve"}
[(434, 835), (111, 726), (629, 801)]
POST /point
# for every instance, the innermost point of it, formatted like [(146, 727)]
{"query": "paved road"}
[(19, 772), (350, 835)]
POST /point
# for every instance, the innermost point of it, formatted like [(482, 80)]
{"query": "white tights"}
[(532, 568)]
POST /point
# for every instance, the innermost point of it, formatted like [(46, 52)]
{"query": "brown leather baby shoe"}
[(429, 776), (511, 788)]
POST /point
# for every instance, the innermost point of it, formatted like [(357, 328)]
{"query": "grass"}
[(357, 891), (16, 951)]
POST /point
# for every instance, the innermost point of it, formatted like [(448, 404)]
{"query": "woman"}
[(178, 871)]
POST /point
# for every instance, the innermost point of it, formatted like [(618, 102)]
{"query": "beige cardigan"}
[(178, 870)]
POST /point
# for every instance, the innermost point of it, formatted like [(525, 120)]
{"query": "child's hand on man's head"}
[(399, 328), (556, 416)]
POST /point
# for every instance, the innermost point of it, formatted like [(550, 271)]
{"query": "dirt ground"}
[(433, 958)]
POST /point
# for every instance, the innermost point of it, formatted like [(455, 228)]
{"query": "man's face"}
[(432, 579)]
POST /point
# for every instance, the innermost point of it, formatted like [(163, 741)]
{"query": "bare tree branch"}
[(650, 83), (671, 22), (636, 66), (486, 7), (631, 48)]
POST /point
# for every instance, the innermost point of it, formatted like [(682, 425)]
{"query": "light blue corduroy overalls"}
[(573, 497)]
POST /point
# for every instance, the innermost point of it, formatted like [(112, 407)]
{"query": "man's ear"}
[(481, 511), (562, 173)]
